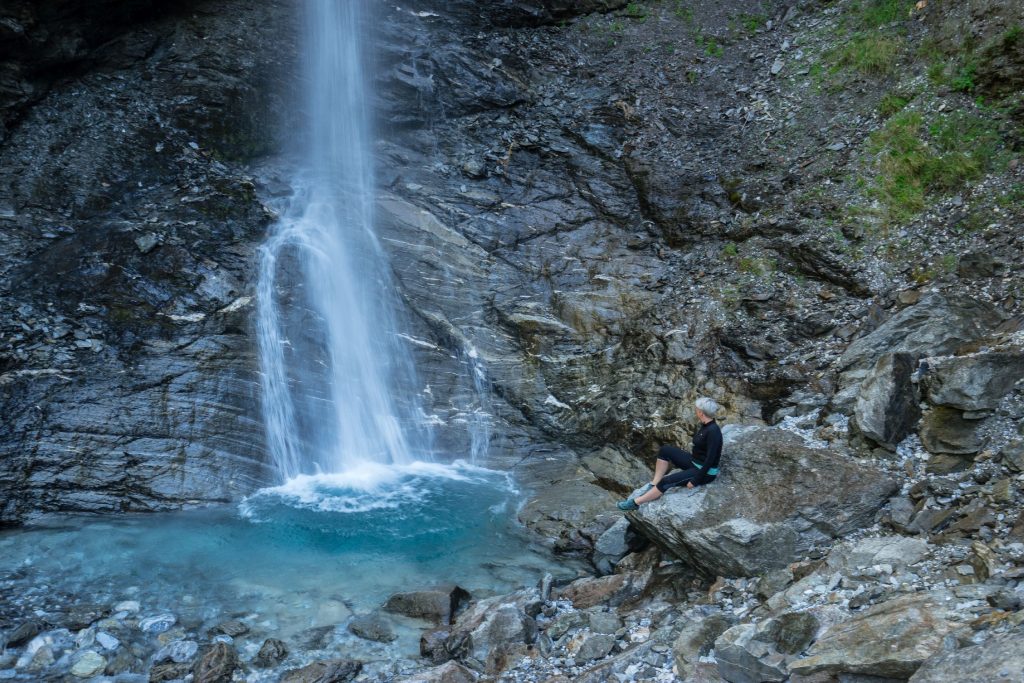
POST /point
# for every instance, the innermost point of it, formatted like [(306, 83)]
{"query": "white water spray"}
[(339, 389)]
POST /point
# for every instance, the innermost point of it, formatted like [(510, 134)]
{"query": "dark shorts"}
[(681, 460)]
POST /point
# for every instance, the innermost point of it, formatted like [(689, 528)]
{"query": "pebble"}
[(107, 641), (89, 664), (158, 624), (130, 606)]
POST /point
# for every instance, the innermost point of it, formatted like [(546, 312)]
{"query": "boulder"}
[(611, 546), (437, 605), (329, 671), (695, 640), (745, 658), (895, 551), (612, 590), (572, 512), (945, 431), (752, 653), (1000, 659), (775, 500), (887, 409), (495, 631), (975, 381), (1013, 455), (891, 639), (372, 627)]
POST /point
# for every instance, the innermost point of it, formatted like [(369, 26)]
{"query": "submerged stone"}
[(89, 664)]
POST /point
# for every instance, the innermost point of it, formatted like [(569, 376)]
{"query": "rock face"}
[(775, 500)]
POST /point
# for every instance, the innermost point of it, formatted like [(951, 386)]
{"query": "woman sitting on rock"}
[(698, 468)]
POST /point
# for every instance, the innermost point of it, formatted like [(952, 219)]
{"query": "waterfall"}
[(339, 389)]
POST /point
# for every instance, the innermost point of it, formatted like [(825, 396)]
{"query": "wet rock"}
[(438, 605), (107, 641), (1000, 659), (432, 646), (158, 624), (125, 662), (891, 639), (775, 500), (23, 633), (272, 653), (180, 652), (887, 408), (217, 664), (973, 382), (88, 664), (449, 672), (944, 430), (372, 627), (233, 628), (169, 671), (330, 671)]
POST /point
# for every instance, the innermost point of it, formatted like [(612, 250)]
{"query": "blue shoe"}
[(628, 504), (646, 487)]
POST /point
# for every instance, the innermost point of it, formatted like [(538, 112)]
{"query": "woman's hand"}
[(689, 484)]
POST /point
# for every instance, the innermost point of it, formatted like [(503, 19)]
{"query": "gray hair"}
[(707, 406)]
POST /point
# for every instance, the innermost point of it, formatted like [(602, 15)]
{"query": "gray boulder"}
[(775, 500), (891, 639), (611, 546), (895, 551), (944, 430), (973, 382), (372, 627), (495, 631), (887, 407), (437, 605), (998, 660), (752, 653), (695, 640)]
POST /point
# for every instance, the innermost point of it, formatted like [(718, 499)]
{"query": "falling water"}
[(332, 361)]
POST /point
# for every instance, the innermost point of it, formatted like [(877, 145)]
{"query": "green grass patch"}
[(870, 53), (708, 44), (635, 11), (915, 159), (892, 103), (875, 13)]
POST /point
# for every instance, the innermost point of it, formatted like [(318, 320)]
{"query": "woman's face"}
[(700, 415)]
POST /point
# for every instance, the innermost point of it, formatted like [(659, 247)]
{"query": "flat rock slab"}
[(775, 500), (998, 660), (330, 671), (891, 639)]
